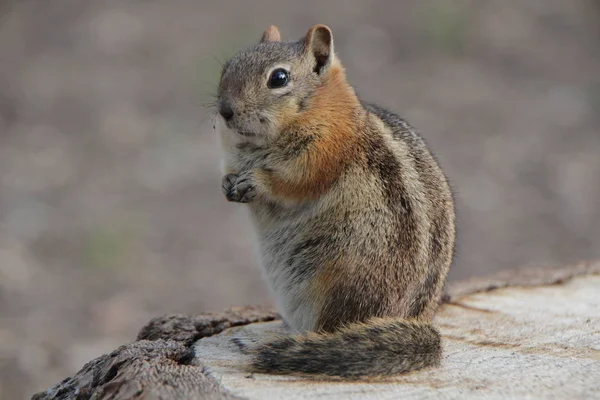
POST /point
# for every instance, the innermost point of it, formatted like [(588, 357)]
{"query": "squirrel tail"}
[(379, 347)]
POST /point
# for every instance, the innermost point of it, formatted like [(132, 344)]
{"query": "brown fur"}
[(354, 215), (331, 120), (399, 346)]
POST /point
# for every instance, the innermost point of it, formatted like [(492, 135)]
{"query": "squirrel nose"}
[(226, 111)]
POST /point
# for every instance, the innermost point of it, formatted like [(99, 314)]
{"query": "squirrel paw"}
[(238, 188)]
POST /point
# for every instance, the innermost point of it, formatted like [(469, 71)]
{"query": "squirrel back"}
[(354, 217)]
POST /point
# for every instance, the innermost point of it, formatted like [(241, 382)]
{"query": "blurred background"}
[(110, 204)]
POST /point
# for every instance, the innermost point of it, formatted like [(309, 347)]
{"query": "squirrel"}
[(354, 217)]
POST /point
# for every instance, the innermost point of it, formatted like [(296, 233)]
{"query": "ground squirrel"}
[(354, 217)]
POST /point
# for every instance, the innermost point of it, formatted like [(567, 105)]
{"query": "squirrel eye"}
[(279, 78)]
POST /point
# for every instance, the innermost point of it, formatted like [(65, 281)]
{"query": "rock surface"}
[(533, 334)]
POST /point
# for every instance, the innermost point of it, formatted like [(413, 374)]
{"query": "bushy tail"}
[(379, 347)]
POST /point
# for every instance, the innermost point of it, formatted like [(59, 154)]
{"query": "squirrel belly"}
[(354, 217)]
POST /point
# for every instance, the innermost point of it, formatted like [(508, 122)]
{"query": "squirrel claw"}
[(239, 189)]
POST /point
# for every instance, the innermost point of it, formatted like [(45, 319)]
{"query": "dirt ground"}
[(110, 203)]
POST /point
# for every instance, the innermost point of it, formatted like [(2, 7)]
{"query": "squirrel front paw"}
[(238, 188)]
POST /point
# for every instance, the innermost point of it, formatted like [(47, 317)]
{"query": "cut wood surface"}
[(532, 334)]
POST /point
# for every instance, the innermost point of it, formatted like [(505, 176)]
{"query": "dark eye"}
[(279, 78)]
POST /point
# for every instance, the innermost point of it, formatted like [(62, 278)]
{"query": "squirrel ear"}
[(271, 35), (319, 42)]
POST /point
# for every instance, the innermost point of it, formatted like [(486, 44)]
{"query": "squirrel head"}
[(267, 87)]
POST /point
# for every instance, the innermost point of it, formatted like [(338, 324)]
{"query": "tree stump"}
[(531, 333)]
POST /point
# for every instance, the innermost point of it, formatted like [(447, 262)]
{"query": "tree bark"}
[(532, 332)]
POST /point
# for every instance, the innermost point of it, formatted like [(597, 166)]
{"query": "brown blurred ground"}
[(110, 207)]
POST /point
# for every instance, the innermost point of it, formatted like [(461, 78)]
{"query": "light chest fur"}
[(278, 231)]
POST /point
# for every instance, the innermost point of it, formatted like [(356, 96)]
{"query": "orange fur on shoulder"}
[(331, 116)]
